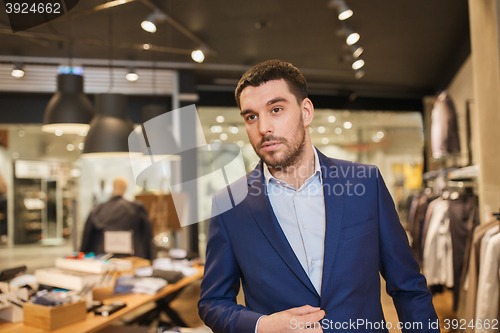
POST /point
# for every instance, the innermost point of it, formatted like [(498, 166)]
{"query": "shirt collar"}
[(317, 170)]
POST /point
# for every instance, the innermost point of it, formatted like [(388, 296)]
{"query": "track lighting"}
[(132, 75), (344, 12), (149, 24), (356, 51), (351, 37), (358, 64), (18, 71), (359, 74), (198, 56)]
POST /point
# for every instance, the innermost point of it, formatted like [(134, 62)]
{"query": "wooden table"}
[(95, 323)]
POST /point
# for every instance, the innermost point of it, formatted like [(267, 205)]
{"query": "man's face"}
[(275, 123)]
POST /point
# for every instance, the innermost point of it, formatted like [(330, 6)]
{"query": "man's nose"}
[(265, 126)]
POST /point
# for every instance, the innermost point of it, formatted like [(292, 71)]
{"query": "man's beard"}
[(291, 155)]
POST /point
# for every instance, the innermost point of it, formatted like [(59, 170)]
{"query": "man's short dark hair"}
[(273, 70)]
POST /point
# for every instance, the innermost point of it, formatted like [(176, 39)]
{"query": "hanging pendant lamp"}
[(110, 128), (69, 110)]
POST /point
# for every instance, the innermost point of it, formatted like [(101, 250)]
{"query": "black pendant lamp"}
[(110, 128), (69, 110)]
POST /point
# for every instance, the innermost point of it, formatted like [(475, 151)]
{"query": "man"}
[(119, 214), (309, 240)]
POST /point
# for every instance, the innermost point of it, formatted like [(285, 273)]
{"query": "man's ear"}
[(307, 109)]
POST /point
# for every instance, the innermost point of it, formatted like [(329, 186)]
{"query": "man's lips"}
[(270, 146)]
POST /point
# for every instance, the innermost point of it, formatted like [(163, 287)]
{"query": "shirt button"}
[(305, 226), (297, 193), (278, 182), (313, 262)]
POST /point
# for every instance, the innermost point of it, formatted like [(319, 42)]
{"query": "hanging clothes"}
[(488, 286), (438, 253), (464, 216), (473, 272)]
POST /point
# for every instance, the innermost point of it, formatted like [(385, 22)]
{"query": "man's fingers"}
[(303, 310), (313, 317)]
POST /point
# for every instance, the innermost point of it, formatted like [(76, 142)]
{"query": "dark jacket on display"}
[(119, 214)]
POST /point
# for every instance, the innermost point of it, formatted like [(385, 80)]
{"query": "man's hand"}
[(292, 320)]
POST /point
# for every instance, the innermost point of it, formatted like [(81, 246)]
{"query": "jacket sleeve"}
[(221, 283), (404, 283)]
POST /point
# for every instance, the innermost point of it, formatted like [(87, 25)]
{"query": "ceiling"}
[(412, 47)]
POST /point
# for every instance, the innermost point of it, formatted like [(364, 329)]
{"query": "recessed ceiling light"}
[(325, 141), (347, 125), (70, 147), (219, 119), (338, 130), (58, 132), (321, 129), (223, 136), (332, 119)]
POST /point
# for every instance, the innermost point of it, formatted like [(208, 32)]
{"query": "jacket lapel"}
[(333, 215), (264, 216)]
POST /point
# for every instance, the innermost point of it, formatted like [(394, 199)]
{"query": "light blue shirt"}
[(301, 215)]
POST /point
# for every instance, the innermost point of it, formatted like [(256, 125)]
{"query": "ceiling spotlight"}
[(331, 119), (198, 56), (359, 74), (356, 51), (321, 129), (233, 129), (219, 119), (146, 46), (380, 134), (149, 24), (352, 38), (358, 64), (347, 125), (18, 71), (344, 11), (325, 141), (132, 75), (338, 130), (223, 136)]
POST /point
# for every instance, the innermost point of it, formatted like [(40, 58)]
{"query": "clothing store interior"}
[(115, 114)]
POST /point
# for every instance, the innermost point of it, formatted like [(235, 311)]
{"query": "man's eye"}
[(276, 110), (251, 117)]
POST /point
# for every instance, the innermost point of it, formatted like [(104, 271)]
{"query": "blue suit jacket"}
[(363, 237)]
